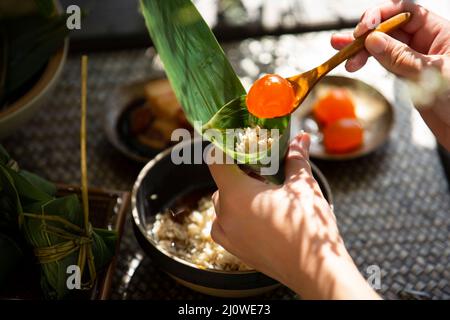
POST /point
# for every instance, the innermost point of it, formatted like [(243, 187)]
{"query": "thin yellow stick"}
[(84, 179)]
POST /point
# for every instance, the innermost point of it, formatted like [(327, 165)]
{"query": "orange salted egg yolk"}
[(271, 96), (343, 136), (335, 105)]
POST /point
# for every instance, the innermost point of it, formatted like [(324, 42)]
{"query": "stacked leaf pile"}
[(39, 228)]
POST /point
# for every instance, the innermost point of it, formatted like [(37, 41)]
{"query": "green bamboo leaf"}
[(54, 274), (26, 190), (46, 7), (201, 75), (3, 60), (39, 183), (32, 41), (4, 155), (48, 224), (103, 247), (29, 32), (67, 207), (9, 218), (10, 204), (199, 71), (234, 114)]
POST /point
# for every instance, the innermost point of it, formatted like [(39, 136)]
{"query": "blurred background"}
[(122, 26)]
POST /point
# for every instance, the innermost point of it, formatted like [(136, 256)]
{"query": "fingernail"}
[(298, 138), (351, 64), (376, 43), (305, 141), (339, 34), (359, 31)]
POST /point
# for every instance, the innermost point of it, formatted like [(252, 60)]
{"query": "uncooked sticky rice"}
[(253, 140), (190, 239)]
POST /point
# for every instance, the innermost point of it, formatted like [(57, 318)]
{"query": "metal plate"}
[(372, 109), (122, 99)]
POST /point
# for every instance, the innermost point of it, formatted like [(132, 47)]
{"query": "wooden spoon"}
[(303, 83)]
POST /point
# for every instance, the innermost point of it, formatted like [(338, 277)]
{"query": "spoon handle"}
[(358, 44)]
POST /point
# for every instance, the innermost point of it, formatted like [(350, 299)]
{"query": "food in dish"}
[(187, 236), (343, 136), (336, 104), (336, 115), (153, 121)]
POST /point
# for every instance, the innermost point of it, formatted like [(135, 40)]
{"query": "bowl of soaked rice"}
[(172, 217), (187, 235)]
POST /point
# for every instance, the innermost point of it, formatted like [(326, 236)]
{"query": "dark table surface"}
[(393, 206)]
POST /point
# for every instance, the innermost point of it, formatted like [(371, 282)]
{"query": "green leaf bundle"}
[(52, 227)]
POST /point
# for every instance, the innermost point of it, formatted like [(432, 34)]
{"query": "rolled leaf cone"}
[(204, 81)]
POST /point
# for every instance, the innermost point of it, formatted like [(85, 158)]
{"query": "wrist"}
[(332, 275), (349, 283)]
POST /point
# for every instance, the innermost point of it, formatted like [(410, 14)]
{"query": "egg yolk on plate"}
[(271, 96), (335, 105), (343, 136)]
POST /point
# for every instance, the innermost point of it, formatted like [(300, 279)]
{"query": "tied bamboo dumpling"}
[(33, 220)]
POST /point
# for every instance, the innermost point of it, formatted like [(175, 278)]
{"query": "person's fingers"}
[(374, 16), (215, 201), (297, 157), (357, 61), (418, 14), (228, 176), (422, 26), (394, 55), (341, 40), (368, 21), (218, 235), (401, 35)]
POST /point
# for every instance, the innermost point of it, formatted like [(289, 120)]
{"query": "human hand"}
[(421, 43), (288, 232)]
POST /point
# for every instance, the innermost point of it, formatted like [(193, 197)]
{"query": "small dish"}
[(373, 110), (158, 186), (141, 117)]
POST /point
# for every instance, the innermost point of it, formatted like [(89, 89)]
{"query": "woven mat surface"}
[(393, 206)]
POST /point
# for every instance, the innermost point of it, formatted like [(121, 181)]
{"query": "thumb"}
[(298, 156), (229, 176), (394, 55)]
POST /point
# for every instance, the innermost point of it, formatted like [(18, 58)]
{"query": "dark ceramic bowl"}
[(157, 187)]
